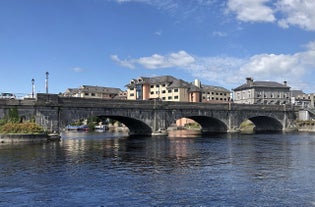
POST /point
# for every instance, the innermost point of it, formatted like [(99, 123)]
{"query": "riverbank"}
[(306, 126), (13, 138)]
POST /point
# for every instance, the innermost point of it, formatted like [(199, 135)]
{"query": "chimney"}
[(249, 81), (197, 83), (285, 83)]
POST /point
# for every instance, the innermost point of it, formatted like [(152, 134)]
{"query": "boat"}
[(101, 127), (78, 128)]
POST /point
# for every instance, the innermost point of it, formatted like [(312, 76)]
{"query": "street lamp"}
[(46, 82), (33, 88)]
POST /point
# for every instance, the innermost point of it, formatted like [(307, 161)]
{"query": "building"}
[(86, 91), (168, 88), (165, 88), (215, 94), (299, 98), (262, 92)]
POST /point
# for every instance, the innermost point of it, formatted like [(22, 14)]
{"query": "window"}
[(163, 98), (132, 94), (151, 86), (151, 92), (176, 90), (170, 91), (175, 97), (163, 91), (169, 98)]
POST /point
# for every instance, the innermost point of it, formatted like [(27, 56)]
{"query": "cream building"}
[(86, 91), (165, 88)]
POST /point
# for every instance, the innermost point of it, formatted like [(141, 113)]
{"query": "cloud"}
[(297, 12), (219, 34), (285, 12), (251, 11), (124, 63), (179, 59), (78, 69), (232, 71)]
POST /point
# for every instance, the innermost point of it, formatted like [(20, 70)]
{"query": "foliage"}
[(194, 125), (21, 128), (13, 116)]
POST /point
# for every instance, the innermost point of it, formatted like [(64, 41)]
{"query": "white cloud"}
[(78, 69), (297, 12), (124, 63), (289, 12), (179, 59), (251, 10), (295, 68), (219, 34)]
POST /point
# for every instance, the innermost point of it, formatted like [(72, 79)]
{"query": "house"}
[(86, 91), (262, 92)]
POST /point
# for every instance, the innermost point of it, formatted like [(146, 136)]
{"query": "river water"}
[(103, 169)]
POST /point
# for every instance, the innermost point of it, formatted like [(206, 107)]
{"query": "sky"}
[(109, 42)]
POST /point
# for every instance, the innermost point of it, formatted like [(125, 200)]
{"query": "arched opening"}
[(265, 124), (111, 123), (184, 127), (204, 124), (135, 126)]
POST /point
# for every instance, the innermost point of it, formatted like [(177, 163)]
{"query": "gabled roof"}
[(99, 89), (261, 84), (170, 81), (214, 88)]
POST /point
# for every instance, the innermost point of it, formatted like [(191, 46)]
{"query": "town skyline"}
[(109, 42)]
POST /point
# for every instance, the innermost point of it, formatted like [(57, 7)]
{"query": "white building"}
[(262, 92)]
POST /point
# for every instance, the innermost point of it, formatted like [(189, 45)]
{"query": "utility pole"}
[(46, 82)]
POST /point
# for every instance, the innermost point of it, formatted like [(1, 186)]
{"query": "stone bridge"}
[(146, 117)]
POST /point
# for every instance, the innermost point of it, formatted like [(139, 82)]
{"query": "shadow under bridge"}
[(210, 125), (136, 127), (266, 124)]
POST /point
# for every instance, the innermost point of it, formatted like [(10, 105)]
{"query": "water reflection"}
[(114, 170)]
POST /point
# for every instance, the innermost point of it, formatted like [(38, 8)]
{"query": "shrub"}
[(21, 128)]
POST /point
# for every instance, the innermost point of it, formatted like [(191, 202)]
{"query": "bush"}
[(21, 128)]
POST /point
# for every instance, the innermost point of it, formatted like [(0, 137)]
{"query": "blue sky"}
[(109, 42)]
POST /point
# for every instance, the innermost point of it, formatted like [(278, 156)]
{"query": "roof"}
[(170, 81), (99, 89), (214, 88), (261, 84)]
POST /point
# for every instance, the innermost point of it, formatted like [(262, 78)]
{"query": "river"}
[(104, 169)]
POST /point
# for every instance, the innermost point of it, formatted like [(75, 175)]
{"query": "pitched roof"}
[(99, 89), (214, 88), (170, 81), (261, 84)]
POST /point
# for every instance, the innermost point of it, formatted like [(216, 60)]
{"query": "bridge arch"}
[(266, 124), (210, 124), (135, 126)]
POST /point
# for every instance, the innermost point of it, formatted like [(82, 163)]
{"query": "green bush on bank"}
[(12, 124), (21, 128)]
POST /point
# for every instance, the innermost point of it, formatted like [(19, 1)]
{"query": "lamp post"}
[(33, 88), (46, 82)]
